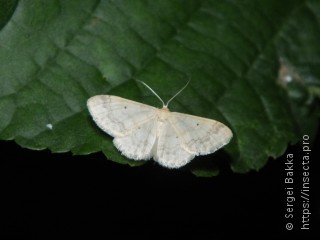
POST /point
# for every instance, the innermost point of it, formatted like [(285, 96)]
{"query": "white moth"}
[(142, 132)]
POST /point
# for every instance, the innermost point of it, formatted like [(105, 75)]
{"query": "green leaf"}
[(239, 56)]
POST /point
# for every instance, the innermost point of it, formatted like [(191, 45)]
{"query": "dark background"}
[(44, 193)]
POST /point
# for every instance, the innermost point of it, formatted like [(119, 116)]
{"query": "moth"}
[(142, 132)]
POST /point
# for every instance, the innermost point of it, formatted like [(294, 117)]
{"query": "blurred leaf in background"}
[(253, 65)]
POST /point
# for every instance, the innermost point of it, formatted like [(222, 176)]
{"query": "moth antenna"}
[(177, 94), (152, 92)]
